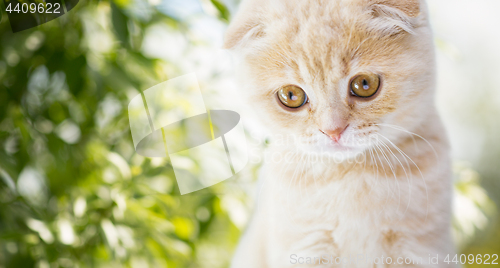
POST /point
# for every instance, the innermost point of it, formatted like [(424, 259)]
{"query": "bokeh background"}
[(73, 192)]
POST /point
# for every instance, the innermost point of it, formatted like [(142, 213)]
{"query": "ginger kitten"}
[(360, 169)]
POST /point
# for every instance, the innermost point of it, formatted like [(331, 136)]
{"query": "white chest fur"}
[(353, 218)]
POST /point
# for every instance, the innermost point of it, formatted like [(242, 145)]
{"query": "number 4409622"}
[(41, 8), (472, 259)]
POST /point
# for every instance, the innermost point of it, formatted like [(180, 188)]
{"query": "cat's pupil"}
[(290, 95), (365, 85)]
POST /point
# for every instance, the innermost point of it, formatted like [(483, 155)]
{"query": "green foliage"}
[(224, 12), (73, 192)]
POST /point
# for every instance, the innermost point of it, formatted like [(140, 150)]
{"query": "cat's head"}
[(333, 73)]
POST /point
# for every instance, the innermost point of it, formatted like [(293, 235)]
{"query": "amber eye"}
[(365, 85), (292, 96)]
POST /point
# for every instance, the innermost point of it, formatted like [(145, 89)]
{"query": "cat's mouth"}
[(338, 146), (346, 146), (328, 146), (337, 152)]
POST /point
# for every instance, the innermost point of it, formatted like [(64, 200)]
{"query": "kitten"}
[(359, 173)]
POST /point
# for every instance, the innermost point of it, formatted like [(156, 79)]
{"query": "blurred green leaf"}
[(224, 11), (80, 71), (120, 23)]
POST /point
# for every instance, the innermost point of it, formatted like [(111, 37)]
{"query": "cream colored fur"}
[(387, 191)]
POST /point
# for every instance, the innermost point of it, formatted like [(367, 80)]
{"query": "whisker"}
[(411, 133), (386, 177), (364, 170), (406, 173), (421, 174), (377, 178), (393, 172)]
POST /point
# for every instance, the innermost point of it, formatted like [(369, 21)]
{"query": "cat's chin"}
[(335, 152)]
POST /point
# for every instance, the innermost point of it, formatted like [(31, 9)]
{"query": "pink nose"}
[(335, 134)]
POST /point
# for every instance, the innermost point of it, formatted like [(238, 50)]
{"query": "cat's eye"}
[(365, 85), (292, 96)]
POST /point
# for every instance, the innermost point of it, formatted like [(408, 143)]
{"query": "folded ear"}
[(242, 31), (245, 26), (392, 16), (410, 7)]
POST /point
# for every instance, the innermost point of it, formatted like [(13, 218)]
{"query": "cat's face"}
[(333, 76)]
